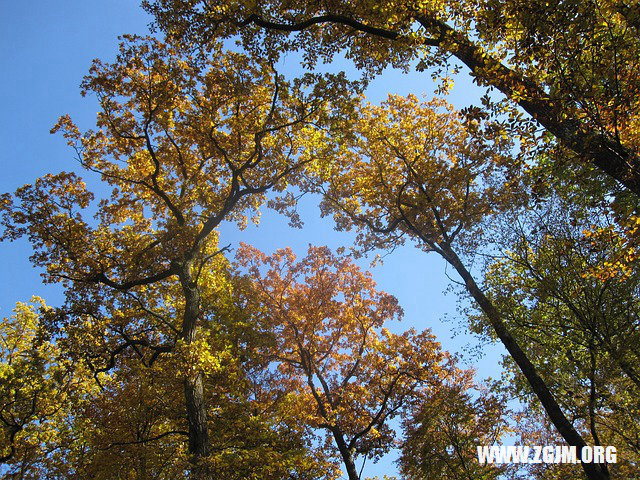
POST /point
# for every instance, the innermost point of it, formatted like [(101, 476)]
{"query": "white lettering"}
[(586, 454), (598, 454), (500, 454), (483, 455), (567, 454), (537, 451), (610, 454), (547, 454)]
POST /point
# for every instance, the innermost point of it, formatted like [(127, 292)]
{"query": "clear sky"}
[(47, 47)]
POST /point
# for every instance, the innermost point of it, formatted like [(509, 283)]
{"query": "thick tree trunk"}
[(193, 388), (539, 387), (196, 416)]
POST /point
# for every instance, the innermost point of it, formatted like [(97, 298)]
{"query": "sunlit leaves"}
[(415, 166), (447, 425), (332, 351), (38, 385), (185, 143)]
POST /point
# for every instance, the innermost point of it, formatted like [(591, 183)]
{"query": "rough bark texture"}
[(196, 416), (193, 389)]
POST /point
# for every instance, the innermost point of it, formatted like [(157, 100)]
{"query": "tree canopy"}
[(570, 65), (170, 357)]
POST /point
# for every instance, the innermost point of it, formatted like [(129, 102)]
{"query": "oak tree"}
[(184, 143), (418, 171)]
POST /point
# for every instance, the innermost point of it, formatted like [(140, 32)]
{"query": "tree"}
[(416, 171), (446, 428), (583, 327), (129, 425), (345, 373), (58, 422), (570, 65), (185, 143), (39, 385)]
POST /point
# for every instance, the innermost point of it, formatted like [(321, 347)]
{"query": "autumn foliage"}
[(176, 354), (346, 373)]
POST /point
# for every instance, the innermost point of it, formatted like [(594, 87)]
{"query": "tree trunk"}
[(539, 387), (196, 416), (193, 388), (345, 452)]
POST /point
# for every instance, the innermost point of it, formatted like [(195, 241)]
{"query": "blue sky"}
[(46, 50)]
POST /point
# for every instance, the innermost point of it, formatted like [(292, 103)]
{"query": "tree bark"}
[(196, 416), (193, 388)]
